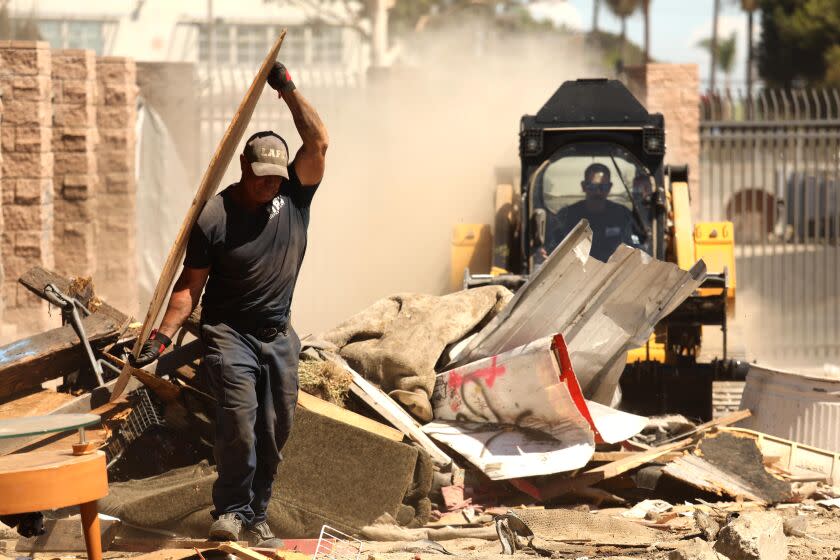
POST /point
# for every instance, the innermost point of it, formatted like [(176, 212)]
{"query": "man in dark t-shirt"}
[(611, 223), (247, 247)]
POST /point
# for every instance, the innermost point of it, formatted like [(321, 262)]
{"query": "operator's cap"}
[(268, 154), (597, 174)]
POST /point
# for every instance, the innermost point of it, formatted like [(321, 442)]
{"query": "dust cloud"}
[(411, 155)]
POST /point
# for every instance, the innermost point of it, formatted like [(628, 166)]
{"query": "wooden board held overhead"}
[(209, 183)]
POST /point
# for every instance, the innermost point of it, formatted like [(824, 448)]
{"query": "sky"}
[(676, 27)]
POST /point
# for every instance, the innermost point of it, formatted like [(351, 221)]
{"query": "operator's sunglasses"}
[(595, 187)]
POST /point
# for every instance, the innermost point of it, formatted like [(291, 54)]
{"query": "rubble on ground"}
[(493, 434)]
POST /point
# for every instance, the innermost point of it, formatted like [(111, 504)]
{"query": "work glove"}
[(280, 79), (151, 350)]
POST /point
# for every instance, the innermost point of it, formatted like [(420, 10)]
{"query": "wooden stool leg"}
[(90, 528)]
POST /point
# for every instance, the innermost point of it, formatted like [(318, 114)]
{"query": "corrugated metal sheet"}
[(804, 408), (600, 308)]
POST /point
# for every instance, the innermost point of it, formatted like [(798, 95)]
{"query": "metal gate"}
[(771, 164)]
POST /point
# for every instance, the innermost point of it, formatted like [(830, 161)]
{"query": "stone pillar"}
[(27, 188), (116, 117), (2, 144), (74, 142), (674, 91)]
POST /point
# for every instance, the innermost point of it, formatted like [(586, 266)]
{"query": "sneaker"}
[(260, 531), (226, 528)]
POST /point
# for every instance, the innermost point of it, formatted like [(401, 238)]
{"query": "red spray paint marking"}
[(488, 374), (567, 376)]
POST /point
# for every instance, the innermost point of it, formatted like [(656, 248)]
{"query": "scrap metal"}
[(602, 309)]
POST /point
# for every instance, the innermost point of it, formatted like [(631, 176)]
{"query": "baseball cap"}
[(268, 154)]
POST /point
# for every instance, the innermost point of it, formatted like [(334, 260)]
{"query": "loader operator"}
[(248, 245), (611, 223)]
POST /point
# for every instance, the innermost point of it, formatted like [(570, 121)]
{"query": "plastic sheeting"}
[(164, 192)]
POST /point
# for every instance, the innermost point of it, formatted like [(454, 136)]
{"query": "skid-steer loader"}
[(593, 151)]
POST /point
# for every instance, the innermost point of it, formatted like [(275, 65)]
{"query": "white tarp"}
[(602, 309), (164, 193), (522, 413)]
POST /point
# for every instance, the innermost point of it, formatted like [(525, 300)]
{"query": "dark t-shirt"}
[(610, 228), (254, 257)]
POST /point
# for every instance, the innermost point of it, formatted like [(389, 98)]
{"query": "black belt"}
[(264, 331), (270, 333)]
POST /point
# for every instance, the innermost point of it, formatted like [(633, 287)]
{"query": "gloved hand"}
[(151, 350), (280, 79)]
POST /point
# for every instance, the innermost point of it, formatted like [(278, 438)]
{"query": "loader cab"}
[(601, 182), (590, 124)]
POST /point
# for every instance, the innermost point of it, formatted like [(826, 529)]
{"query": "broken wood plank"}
[(154, 543), (794, 456), (349, 417), (79, 405), (610, 456), (242, 552), (727, 420), (166, 390), (384, 405), (206, 189), (282, 553), (28, 362), (699, 473), (35, 404), (562, 486), (36, 280), (65, 535)]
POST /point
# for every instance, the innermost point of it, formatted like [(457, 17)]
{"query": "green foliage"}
[(726, 49), (832, 71), (799, 41), (623, 8)]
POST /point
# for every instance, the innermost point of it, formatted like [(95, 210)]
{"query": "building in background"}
[(329, 42)]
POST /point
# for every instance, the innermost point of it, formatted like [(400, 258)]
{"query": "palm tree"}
[(596, 11), (725, 53), (646, 15), (749, 6), (713, 45), (623, 9)]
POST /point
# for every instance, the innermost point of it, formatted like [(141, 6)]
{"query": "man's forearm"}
[(309, 125), (180, 306)]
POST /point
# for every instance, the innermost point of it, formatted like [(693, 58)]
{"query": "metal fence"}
[(771, 165)]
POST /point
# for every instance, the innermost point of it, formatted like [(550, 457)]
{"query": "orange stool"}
[(52, 479)]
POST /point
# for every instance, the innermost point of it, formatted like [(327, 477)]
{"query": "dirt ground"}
[(821, 540)]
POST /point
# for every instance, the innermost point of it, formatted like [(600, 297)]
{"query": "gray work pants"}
[(256, 384)]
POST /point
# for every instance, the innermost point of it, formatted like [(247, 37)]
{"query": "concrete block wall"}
[(2, 306), (116, 115), (67, 141), (674, 91), (75, 138), (27, 175)]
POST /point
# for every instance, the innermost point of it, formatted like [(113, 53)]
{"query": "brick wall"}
[(674, 91), (74, 142), (116, 115), (27, 170)]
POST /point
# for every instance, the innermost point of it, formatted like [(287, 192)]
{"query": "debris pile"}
[(479, 414)]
